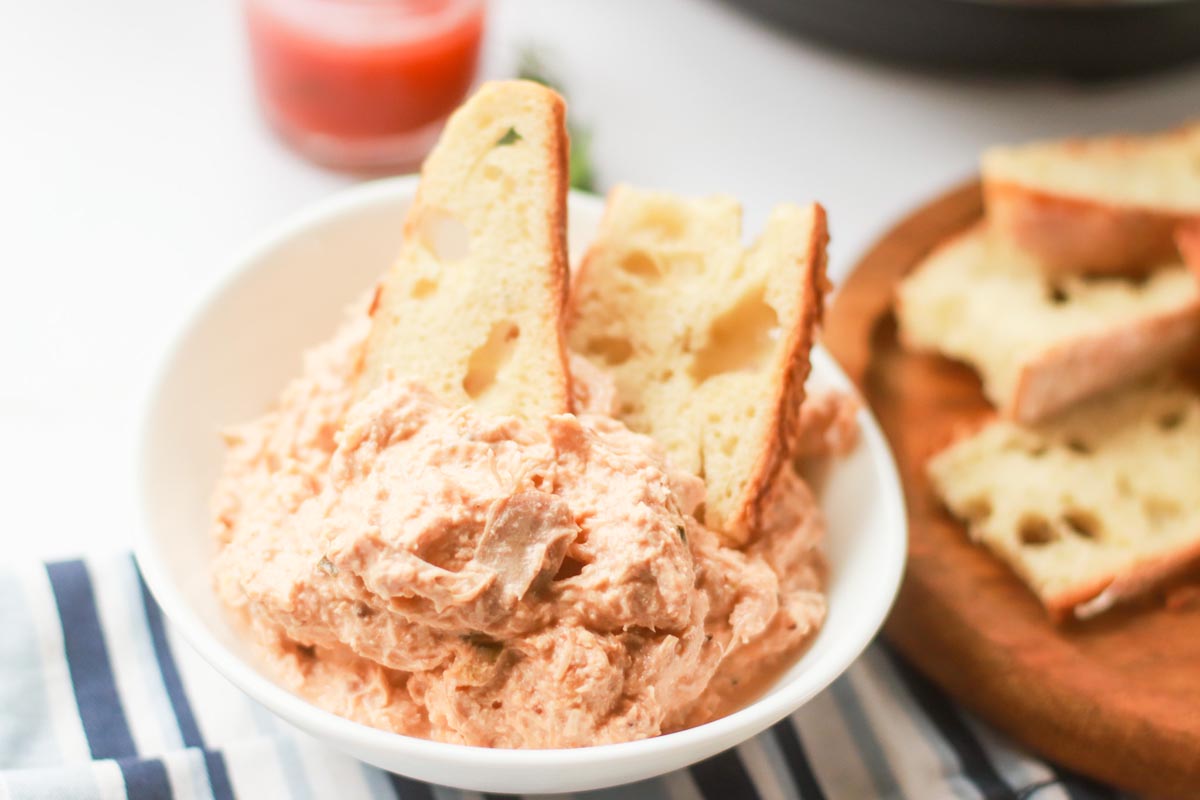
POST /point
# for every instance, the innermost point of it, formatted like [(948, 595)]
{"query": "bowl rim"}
[(736, 727)]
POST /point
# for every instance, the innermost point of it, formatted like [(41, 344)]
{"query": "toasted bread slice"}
[(708, 342), (1103, 205), (1096, 505), (473, 305), (1041, 344)]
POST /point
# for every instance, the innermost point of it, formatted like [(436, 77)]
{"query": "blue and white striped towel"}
[(99, 700)]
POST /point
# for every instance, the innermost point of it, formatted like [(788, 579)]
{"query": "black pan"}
[(1084, 39)]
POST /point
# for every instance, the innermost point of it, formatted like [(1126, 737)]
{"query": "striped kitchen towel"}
[(100, 699)]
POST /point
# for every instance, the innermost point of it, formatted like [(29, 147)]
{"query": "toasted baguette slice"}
[(1097, 505), (708, 342), (1096, 205), (1040, 345), (473, 305)]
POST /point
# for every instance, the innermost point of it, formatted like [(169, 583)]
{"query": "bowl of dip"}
[(243, 342)]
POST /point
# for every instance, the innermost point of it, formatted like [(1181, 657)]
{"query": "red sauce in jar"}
[(363, 83)]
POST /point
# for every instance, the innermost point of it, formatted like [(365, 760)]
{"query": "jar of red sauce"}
[(363, 84)]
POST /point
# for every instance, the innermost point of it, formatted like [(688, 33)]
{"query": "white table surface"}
[(133, 163)]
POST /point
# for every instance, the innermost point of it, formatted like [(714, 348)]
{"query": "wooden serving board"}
[(1116, 698)]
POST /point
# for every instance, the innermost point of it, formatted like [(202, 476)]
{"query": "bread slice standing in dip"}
[(708, 341), (473, 305)]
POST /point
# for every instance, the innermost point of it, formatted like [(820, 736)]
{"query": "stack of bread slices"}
[(706, 340), (1075, 303)]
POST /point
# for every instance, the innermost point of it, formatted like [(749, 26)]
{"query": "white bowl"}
[(229, 362)]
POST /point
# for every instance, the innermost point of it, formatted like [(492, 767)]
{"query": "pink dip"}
[(494, 582)]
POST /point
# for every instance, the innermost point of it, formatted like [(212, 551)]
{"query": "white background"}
[(133, 163)]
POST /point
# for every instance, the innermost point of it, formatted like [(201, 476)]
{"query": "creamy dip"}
[(498, 582)]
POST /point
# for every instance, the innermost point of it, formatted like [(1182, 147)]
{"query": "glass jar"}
[(363, 84)]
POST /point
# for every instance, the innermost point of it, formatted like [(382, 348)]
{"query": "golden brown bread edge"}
[(1071, 371), (783, 433), (1187, 240), (782, 436), (1071, 235), (1074, 370), (1128, 584), (1187, 237), (1117, 587), (558, 224)]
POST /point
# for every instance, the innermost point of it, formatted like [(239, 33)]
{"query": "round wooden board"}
[(1117, 698)]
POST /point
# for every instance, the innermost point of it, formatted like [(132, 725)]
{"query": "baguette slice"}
[(473, 305), (708, 342), (1099, 205), (1095, 506), (1040, 345)]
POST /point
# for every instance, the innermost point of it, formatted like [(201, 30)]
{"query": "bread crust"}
[(1071, 235), (789, 372), (1074, 234), (561, 270), (1187, 239), (1120, 586), (794, 367), (1073, 370), (1106, 591)]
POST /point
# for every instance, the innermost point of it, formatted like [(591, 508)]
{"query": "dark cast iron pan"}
[(1081, 39)]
